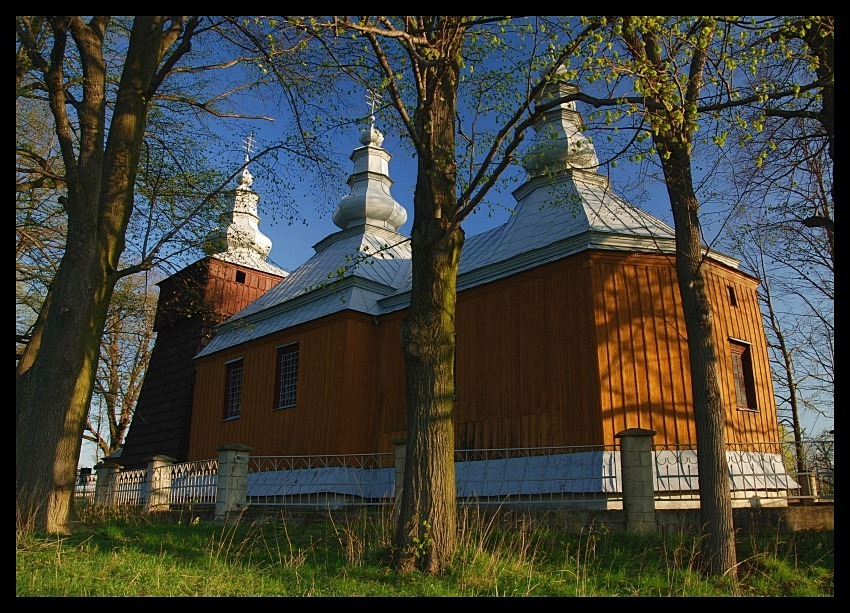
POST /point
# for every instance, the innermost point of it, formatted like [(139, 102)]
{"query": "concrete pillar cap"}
[(635, 432), (233, 447)]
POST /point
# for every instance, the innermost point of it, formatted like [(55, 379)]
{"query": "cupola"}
[(370, 201)]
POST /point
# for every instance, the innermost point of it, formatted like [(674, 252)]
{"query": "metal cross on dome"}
[(249, 146), (373, 99)]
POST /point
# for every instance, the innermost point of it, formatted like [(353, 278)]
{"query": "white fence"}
[(321, 479), (193, 482), (591, 474)]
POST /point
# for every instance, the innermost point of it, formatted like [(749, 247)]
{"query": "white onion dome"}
[(560, 143), (370, 201)]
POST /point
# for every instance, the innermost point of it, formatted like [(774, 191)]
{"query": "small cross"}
[(373, 99), (249, 146)]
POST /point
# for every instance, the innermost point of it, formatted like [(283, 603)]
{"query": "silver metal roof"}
[(562, 209)]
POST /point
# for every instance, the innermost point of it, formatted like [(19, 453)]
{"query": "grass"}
[(137, 555)]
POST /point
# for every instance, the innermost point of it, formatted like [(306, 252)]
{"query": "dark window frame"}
[(286, 379), (743, 375), (233, 388), (733, 295)]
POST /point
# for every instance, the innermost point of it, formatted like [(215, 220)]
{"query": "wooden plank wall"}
[(569, 353), (335, 383), (525, 372), (190, 303), (743, 322), (644, 371), (227, 296)]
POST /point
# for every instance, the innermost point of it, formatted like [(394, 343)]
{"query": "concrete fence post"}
[(232, 483), (159, 477), (638, 486), (808, 486), (104, 487), (400, 447)]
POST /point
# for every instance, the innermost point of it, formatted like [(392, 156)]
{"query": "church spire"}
[(560, 143), (370, 201), (241, 241)]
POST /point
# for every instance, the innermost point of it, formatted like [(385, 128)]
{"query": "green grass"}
[(142, 556)]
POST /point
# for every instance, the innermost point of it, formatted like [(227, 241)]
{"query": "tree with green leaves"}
[(783, 225), (56, 372), (688, 76), (126, 107), (418, 65)]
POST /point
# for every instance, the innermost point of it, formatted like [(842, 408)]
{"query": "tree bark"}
[(426, 532), (717, 551), (55, 377)]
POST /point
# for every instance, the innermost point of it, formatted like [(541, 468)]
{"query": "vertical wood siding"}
[(741, 322), (643, 351), (525, 371), (336, 402), (190, 303), (569, 353)]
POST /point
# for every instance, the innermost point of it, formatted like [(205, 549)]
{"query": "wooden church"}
[(569, 326)]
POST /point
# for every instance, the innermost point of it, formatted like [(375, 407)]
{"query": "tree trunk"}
[(55, 377), (53, 396), (426, 532), (717, 550)]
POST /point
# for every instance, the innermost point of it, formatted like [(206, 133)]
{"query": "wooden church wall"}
[(643, 368), (567, 354), (190, 303), (526, 376), (228, 293), (643, 351), (209, 287), (334, 384), (391, 418), (743, 321)]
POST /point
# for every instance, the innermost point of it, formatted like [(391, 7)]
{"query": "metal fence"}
[(129, 488), (321, 479), (192, 482), (85, 486), (756, 471), (590, 474)]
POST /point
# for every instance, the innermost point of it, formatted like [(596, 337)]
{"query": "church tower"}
[(191, 302)]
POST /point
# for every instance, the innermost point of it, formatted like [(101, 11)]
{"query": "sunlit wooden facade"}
[(568, 353)]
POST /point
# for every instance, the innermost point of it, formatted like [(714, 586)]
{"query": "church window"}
[(233, 391), (742, 371), (287, 376)]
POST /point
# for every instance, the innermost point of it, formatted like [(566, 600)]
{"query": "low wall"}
[(755, 521), (769, 520), (332, 490)]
